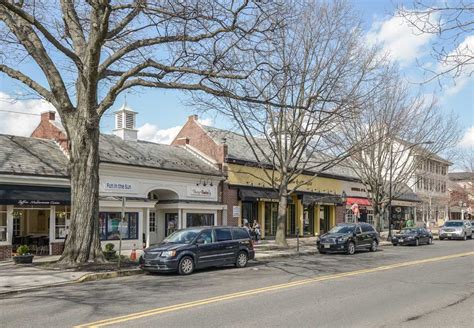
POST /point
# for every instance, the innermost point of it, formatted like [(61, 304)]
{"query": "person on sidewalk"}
[(256, 230)]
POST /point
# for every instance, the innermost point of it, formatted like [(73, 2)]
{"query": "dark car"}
[(349, 237), (413, 236), (199, 247)]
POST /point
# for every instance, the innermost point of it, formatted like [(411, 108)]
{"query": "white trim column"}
[(52, 227), (147, 233)]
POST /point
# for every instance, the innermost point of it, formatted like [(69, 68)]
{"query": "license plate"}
[(327, 246), (449, 234), (401, 240)]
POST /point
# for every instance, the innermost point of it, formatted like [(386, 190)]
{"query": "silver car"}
[(456, 229)]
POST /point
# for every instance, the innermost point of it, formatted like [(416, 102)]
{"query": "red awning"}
[(358, 201)]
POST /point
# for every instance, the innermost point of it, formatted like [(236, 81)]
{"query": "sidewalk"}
[(267, 249), (20, 278)]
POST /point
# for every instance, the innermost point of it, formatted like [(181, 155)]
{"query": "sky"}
[(162, 113)]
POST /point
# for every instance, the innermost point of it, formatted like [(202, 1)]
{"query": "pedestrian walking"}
[(257, 231)]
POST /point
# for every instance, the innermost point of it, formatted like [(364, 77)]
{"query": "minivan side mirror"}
[(200, 241)]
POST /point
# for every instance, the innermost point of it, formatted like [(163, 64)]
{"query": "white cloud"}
[(468, 138), (400, 40), (151, 132), (462, 54), (20, 117)]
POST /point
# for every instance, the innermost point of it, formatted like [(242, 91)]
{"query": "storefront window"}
[(350, 218), (152, 221), (250, 211), (3, 223), (199, 219), (111, 226), (271, 218), (308, 224), (63, 215)]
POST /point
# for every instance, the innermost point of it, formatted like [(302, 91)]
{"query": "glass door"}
[(291, 220), (171, 223), (271, 218), (324, 219)]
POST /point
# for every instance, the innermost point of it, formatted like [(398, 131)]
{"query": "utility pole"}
[(390, 193)]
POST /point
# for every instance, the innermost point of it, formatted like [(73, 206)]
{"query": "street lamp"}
[(461, 205)]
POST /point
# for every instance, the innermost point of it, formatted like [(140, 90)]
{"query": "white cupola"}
[(125, 126)]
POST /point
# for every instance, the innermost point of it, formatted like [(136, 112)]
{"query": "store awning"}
[(310, 199), (258, 195), (34, 195), (358, 201)]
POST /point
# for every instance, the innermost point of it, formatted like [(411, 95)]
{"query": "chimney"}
[(125, 124), (48, 116), (193, 118)]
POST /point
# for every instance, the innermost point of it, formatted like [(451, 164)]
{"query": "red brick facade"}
[(5, 252), (340, 214), (47, 130), (57, 248), (230, 198), (194, 135)]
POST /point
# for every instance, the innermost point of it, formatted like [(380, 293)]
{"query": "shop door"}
[(291, 220), (271, 219), (171, 223), (324, 219), (308, 221), (153, 228)]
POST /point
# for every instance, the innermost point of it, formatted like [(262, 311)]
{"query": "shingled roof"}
[(41, 157), (149, 154), (238, 149), (31, 156)]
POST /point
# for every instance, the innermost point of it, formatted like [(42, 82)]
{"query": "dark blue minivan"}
[(199, 247)]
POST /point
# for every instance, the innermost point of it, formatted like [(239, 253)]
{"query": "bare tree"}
[(316, 76), (88, 52), (453, 24), (396, 132)]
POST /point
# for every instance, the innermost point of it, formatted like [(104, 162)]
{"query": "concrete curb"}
[(85, 278)]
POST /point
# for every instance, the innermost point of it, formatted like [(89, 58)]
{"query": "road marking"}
[(176, 307)]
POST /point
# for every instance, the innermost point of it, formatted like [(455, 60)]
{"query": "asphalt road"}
[(426, 286)]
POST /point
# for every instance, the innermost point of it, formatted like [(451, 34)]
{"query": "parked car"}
[(198, 247), (348, 238), (456, 229), (413, 236)]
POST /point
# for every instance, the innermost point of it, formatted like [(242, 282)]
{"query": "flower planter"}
[(110, 255), (23, 259)]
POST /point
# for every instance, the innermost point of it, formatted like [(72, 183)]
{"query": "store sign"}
[(236, 211), (118, 186), (200, 192), (23, 202)]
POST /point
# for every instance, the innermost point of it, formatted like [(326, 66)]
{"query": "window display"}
[(111, 226)]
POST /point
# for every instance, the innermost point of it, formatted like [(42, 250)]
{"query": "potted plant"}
[(109, 252), (23, 255)]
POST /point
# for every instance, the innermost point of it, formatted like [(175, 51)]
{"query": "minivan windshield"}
[(453, 224), (343, 229), (408, 230), (182, 236)]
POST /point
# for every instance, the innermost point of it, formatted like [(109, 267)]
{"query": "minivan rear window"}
[(223, 234), (240, 234)]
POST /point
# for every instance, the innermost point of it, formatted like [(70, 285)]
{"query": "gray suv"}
[(456, 229)]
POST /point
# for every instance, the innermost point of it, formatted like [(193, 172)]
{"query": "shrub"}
[(109, 247), (22, 250)]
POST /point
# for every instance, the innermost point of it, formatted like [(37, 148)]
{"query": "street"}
[(422, 286)]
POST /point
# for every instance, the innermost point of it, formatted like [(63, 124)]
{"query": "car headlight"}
[(168, 254), (341, 239)]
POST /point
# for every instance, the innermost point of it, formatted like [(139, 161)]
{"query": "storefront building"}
[(160, 188), (314, 208)]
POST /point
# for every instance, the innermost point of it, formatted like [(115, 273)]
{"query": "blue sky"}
[(161, 113)]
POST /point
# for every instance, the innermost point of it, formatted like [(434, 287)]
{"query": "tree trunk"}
[(280, 237), (378, 217), (83, 242)]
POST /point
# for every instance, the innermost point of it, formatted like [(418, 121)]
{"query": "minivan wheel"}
[(373, 246), (242, 260), (351, 248), (186, 265)]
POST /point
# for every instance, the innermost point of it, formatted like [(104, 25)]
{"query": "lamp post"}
[(461, 205)]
